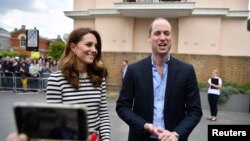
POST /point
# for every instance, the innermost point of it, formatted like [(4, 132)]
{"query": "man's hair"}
[(125, 61), (156, 19)]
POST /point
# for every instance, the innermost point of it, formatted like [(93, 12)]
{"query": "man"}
[(159, 98), (124, 67)]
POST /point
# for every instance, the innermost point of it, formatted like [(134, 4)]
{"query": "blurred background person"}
[(214, 90), (124, 67)]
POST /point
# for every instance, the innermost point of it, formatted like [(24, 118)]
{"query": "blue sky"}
[(46, 15)]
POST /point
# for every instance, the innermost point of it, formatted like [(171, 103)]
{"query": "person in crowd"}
[(24, 74), (214, 90), (34, 68), (7, 68), (40, 65), (1, 62), (7, 65), (34, 73), (27, 66), (53, 66), (15, 66), (124, 67), (81, 79), (16, 71), (1, 71), (45, 67), (24, 82), (159, 98)]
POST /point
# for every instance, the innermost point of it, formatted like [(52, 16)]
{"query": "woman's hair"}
[(215, 73), (68, 63)]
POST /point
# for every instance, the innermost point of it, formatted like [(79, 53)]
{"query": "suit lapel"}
[(148, 79), (172, 71)]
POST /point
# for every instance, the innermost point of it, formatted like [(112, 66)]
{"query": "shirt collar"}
[(166, 62)]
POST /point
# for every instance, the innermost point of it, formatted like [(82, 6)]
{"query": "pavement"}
[(119, 130)]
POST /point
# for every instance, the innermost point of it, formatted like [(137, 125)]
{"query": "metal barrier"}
[(44, 80), (7, 81), (16, 83)]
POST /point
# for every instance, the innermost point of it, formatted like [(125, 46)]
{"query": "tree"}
[(5, 53), (56, 49), (248, 25)]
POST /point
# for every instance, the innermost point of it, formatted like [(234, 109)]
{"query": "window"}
[(22, 41)]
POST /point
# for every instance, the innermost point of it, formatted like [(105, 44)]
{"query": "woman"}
[(214, 86), (53, 66), (81, 79), (34, 73)]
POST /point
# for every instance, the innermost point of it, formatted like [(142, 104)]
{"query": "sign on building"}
[(32, 40), (35, 54)]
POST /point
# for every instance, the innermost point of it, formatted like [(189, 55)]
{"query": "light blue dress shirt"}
[(159, 83)]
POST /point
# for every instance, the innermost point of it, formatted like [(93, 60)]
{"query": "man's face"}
[(160, 37), (124, 63)]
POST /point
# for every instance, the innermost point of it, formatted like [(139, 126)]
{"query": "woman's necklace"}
[(83, 75)]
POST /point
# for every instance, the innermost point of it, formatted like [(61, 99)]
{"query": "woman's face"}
[(85, 50), (214, 74)]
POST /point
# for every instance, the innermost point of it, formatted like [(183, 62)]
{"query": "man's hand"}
[(151, 128), (16, 137), (165, 135)]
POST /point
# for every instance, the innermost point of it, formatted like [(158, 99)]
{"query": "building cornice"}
[(238, 14), (158, 5), (103, 12), (77, 14), (224, 12), (159, 9), (210, 11), (91, 13)]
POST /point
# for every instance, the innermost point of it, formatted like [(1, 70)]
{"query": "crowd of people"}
[(26, 70), (29, 66)]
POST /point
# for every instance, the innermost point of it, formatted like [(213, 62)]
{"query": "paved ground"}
[(119, 128)]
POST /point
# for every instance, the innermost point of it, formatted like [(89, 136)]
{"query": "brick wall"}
[(232, 69)]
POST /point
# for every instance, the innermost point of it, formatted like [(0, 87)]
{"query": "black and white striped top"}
[(60, 91)]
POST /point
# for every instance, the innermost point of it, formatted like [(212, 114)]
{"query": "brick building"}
[(18, 43)]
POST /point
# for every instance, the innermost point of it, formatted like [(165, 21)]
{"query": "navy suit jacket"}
[(182, 108)]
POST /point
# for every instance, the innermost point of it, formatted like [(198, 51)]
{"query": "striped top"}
[(94, 98)]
